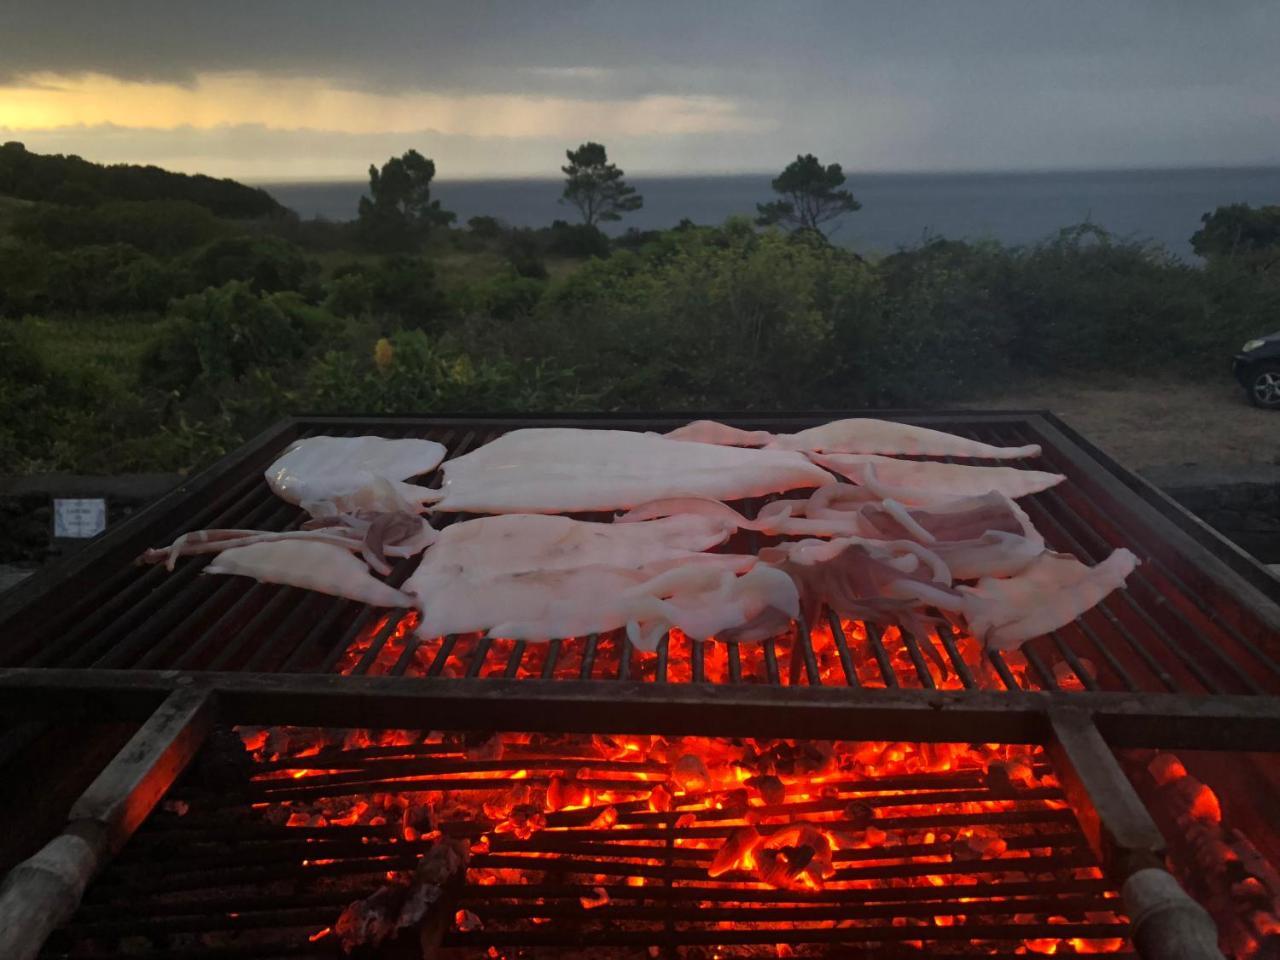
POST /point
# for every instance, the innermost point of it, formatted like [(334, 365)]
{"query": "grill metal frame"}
[(1191, 650), (1213, 611)]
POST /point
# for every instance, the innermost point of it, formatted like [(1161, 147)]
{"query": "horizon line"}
[(874, 172)]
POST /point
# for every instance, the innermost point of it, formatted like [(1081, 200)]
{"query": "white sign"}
[(79, 519)]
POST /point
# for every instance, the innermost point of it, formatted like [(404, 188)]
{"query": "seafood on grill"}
[(559, 469), (327, 476), (374, 536), (974, 536), (854, 435), (712, 431), (538, 576), (311, 565), (924, 482), (1051, 592)]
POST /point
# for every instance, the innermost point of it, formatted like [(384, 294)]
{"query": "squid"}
[(328, 476), (559, 470), (1052, 591), (974, 536), (374, 536), (312, 565), (855, 435), (924, 482)]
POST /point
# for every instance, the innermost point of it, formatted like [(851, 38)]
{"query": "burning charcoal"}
[(370, 921), (772, 868), (736, 852), (685, 820), (598, 898), (482, 746), (997, 779), (1166, 768), (526, 820), (660, 799), (605, 819), (977, 845), (565, 793), (735, 802), (772, 790), (691, 774), (177, 807), (416, 820), (1200, 802), (466, 921), (859, 813)]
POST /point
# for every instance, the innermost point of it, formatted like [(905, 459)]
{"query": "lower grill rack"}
[(641, 846)]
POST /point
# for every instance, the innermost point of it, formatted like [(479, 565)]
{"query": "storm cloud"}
[(319, 88)]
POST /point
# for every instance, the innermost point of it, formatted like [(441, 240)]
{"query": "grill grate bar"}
[(442, 655), (917, 659), (770, 649), (549, 665), (1006, 675), (513, 662), (887, 672), (953, 653), (279, 602), (699, 664), (379, 641), (842, 649), (478, 656), (1047, 679), (1039, 515), (1153, 562), (589, 656)]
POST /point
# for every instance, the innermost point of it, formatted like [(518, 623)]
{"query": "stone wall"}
[(1241, 503), (26, 508)]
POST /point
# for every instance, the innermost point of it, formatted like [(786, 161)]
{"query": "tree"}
[(595, 186), (401, 212), (1238, 230), (812, 196)]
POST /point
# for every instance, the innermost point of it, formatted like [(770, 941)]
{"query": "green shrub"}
[(220, 335), (162, 227), (268, 264)]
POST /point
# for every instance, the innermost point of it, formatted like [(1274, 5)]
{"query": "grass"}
[(109, 346)]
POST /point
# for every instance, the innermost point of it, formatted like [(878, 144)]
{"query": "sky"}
[(271, 90)]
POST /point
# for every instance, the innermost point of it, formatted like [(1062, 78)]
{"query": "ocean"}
[(897, 209)]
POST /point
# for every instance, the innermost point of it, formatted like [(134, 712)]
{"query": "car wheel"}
[(1264, 386)]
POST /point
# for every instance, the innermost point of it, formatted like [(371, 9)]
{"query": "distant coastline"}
[(899, 209)]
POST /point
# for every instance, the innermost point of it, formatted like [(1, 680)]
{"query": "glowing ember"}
[(916, 844)]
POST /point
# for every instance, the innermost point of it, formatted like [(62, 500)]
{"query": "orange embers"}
[(940, 652), (737, 839)]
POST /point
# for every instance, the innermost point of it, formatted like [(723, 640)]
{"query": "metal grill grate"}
[(1176, 629), (220, 874)]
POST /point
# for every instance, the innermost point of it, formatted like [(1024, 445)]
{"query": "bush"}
[(268, 264), (402, 289), (161, 227), (411, 373), (576, 240), (218, 336), (113, 278)]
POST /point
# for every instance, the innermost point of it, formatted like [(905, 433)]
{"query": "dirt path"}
[(1157, 422)]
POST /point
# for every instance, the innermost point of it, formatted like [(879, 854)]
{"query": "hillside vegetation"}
[(154, 331)]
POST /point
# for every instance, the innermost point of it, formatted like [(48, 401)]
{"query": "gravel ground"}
[(1157, 422)]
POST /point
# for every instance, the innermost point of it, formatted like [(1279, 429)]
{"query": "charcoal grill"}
[(1187, 657)]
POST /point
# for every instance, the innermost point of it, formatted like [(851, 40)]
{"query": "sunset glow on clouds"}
[(321, 88), (44, 101)]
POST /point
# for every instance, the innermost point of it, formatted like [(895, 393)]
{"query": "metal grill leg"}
[(45, 890), (1166, 924)]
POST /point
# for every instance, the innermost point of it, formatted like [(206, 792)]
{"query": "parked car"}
[(1257, 367)]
